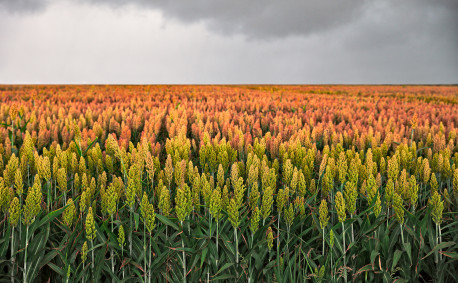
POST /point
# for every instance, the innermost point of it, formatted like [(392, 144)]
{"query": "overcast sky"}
[(233, 41)]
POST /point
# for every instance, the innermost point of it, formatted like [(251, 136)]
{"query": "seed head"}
[(282, 198), (239, 192), (14, 212), (426, 172), (254, 221), (148, 214), (112, 199), (270, 238), (351, 194), (44, 168), (340, 207), (289, 215), (62, 179), (377, 206), (254, 196), (433, 182), (121, 236), (437, 207), (234, 173), (323, 214), (13, 111), (413, 190), (301, 185), (168, 170), (131, 188), (195, 190), (267, 202), (371, 188), (33, 202), (69, 213), (164, 201), (84, 201), (389, 191), (84, 252), (233, 211), (331, 238), (206, 189), (18, 182), (90, 225), (77, 131), (393, 168), (253, 174), (287, 172), (327, 181), (312, 187), (398, 208), (180, 204), (215, 203)]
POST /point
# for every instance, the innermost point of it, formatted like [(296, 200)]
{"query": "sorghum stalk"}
[(217, 244), (121, 240), (144, 250), (440, 241), (278, 237), (130, 232), (122, 255), (149, 262), (387, 216), (344, 252), (236, 247), (352, 233), (402, 233), (48, 185), (25, 252), (323, 241), (323, 217), (111, 251), (210, 236), (12, 258), (184, 257), (331, 246), (92, 264)]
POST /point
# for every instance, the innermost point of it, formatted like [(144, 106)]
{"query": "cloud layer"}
[(213, 41)]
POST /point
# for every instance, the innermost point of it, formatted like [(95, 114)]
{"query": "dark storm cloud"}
[(22, 5), (256, 18)]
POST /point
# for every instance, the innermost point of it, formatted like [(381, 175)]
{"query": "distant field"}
[(243, 183)]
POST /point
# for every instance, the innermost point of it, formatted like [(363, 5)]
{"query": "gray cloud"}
[(19, 6), (256, 18), (102, 41)]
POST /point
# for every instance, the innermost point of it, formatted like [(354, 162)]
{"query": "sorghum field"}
[(228, 183)]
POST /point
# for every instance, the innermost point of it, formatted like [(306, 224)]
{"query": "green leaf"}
[(374, 254), (407, 248), (202, 257), (6, 241), (51, 215), (90, 145), (452, 255), (78, 148), (225, 266), (223, 277), (136, 220), (396, 257), (442, 245), (167, 222)]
